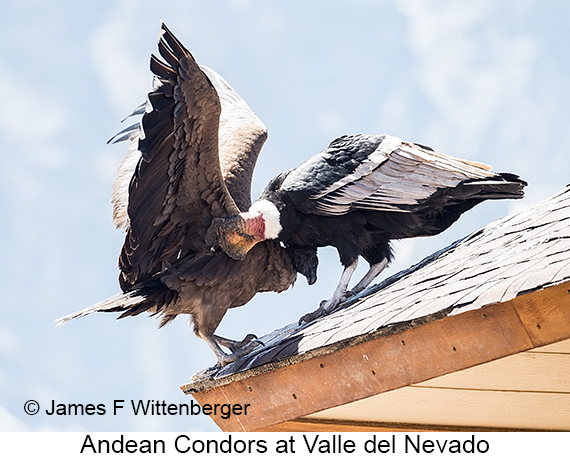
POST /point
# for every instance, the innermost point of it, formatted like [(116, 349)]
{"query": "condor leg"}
[(339, 296), (372, 274)]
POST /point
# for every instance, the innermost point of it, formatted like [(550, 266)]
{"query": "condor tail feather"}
[(152, 296), (503, 185)]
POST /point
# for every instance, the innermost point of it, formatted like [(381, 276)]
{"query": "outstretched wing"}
[(241, 137), (176, 186), (384, 173)]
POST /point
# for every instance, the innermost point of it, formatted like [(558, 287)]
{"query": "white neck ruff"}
[(270, 215)]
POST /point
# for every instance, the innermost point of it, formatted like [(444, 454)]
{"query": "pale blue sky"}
[(486, 80)]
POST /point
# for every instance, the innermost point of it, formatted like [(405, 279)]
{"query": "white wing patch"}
[(396, 177), (239, 133)]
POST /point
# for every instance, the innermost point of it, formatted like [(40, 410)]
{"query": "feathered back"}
[(384, 173)]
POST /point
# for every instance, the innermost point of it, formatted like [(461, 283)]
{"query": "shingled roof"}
[(520, 255)]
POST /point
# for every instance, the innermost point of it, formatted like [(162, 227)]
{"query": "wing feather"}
[(241, 137), (397, 176), (177, 185)]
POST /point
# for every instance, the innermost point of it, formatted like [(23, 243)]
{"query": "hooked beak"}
[(311, 277), (237, 245)]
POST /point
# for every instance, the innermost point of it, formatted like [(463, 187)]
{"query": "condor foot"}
[(238, 348), (326, 307), (234, 345)]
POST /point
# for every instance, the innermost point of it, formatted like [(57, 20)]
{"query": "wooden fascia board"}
[(336, 426), (395, 360)]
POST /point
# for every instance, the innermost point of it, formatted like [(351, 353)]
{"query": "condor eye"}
[(216, 249)]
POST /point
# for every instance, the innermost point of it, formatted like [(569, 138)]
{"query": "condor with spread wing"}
[(191, 162), (365, 190)]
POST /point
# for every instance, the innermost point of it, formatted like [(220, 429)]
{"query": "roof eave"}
[(406, 355)]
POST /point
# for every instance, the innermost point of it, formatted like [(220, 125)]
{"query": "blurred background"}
[(487, 81)]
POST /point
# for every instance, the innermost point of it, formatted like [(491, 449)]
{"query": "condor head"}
[(236, 235)]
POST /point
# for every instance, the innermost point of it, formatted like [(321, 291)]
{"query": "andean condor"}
[(357, 195), (191, 161)]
